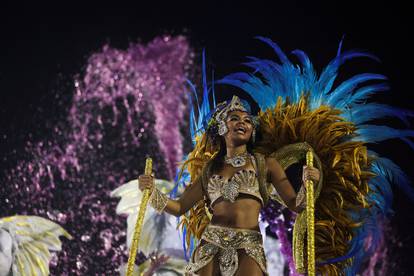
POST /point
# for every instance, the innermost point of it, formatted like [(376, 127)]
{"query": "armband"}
[(158, 200)]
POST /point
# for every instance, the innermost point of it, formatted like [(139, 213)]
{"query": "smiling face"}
[(240, 128)]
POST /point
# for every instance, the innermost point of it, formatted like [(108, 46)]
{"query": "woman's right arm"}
[(192, 194)]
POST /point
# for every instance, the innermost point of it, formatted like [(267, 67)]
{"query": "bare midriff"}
[(243, 213)]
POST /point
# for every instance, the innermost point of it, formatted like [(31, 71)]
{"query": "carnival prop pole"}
[(310, 218), (140, 220)]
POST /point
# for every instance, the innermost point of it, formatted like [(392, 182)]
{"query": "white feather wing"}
[(33, 238)]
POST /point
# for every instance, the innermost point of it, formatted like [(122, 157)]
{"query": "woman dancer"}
[(231, 185)]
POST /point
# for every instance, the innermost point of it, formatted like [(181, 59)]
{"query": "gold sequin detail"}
[(225, 242), (158, 200)]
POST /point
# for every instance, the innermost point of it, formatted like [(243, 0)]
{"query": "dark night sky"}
[(43, 47)]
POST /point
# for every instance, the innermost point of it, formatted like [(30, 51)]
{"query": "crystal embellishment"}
[(225, 242), (230, 191), (238, 160)]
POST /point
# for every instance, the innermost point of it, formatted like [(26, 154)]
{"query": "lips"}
[(241, 130)]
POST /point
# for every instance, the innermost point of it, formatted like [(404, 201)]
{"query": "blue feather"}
[(198, 124), (376, 133), (362, 113), (187, 258), (264, 65), (330, 72), (338, 53), (365, 92), (390, 171), (276, 48), (260, 92), (380, 199), (346, 87), (304, 60)]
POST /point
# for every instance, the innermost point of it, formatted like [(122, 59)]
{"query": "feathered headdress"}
[(299, 105)]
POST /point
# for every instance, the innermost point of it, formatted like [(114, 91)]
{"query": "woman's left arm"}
[(282, 184)]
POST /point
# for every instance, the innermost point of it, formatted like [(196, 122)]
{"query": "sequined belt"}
[(225, 242)]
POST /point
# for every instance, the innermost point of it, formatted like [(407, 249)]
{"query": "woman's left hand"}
[(310, 173)]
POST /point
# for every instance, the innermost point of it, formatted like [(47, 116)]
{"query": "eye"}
[(248, 120)]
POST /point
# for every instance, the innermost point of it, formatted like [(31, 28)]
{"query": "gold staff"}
[(140, 220), (310, 218)]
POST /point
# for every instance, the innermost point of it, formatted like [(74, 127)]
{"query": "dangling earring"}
[(254, 136), (222, 128)]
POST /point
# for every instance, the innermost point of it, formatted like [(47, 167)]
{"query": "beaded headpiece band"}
[(218, 120)]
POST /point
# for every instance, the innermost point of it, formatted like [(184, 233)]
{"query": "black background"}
[(43, 46)]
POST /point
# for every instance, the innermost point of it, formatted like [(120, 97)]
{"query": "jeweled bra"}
[(242, 182), (259, 190)]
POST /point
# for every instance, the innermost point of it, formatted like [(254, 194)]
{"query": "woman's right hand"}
[(145, 182)]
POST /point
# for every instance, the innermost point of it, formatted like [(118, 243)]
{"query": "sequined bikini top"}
[(242, 182)]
